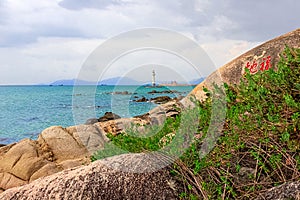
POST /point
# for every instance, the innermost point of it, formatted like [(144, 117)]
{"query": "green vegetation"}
[(135, 142), (260, 143)]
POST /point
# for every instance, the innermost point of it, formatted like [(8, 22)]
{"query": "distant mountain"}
[(119, 81), (110, 81), (72, 82)]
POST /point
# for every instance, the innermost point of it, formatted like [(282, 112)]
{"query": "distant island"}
[(119, 81)]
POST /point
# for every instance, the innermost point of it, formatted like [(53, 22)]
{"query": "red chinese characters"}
[(252, 67), (264, 65)]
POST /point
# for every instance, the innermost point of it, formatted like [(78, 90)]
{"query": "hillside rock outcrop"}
[(232, 72), (98, 181)]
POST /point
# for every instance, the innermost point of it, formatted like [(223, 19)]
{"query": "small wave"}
[(30, 119)]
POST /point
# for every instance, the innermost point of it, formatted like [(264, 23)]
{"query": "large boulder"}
[(55, 149), (62, 144), (100, 180), (232, 72)]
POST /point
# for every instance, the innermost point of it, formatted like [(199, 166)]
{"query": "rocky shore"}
[(59, 148), (60, 157)]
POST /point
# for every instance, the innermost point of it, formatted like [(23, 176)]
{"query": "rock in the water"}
[(161, 99), (163, 92), (143, 99), (108, 116), (99, 181), (122, 93)]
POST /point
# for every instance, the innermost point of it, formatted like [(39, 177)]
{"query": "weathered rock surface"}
[(55, 149), (139, 162), (283, 192), (98, 181)]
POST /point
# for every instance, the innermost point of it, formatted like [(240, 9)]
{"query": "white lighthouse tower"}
[(153, 78)]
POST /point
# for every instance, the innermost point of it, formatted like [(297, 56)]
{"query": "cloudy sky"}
[(46, 40)]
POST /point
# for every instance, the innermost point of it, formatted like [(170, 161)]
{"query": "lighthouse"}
[(153, 78)]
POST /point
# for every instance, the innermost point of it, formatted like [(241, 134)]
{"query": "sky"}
[(48, 40)]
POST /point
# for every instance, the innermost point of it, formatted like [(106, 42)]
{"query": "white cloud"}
[(44, 61), (47, 35)]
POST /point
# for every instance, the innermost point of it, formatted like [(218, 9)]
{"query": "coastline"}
[(233, 165)]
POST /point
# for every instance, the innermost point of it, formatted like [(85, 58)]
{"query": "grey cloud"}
[(16, 39), (230, 19), (261, 20), (255, 20), (250, 20), (81, 4), (3, 12), (19, 38)]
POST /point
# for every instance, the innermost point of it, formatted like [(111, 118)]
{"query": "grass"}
[(259, 147)]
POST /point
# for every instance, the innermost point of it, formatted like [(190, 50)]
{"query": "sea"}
[(27, 110)]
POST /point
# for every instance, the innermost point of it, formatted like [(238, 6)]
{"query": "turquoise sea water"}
[(27, 110)]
